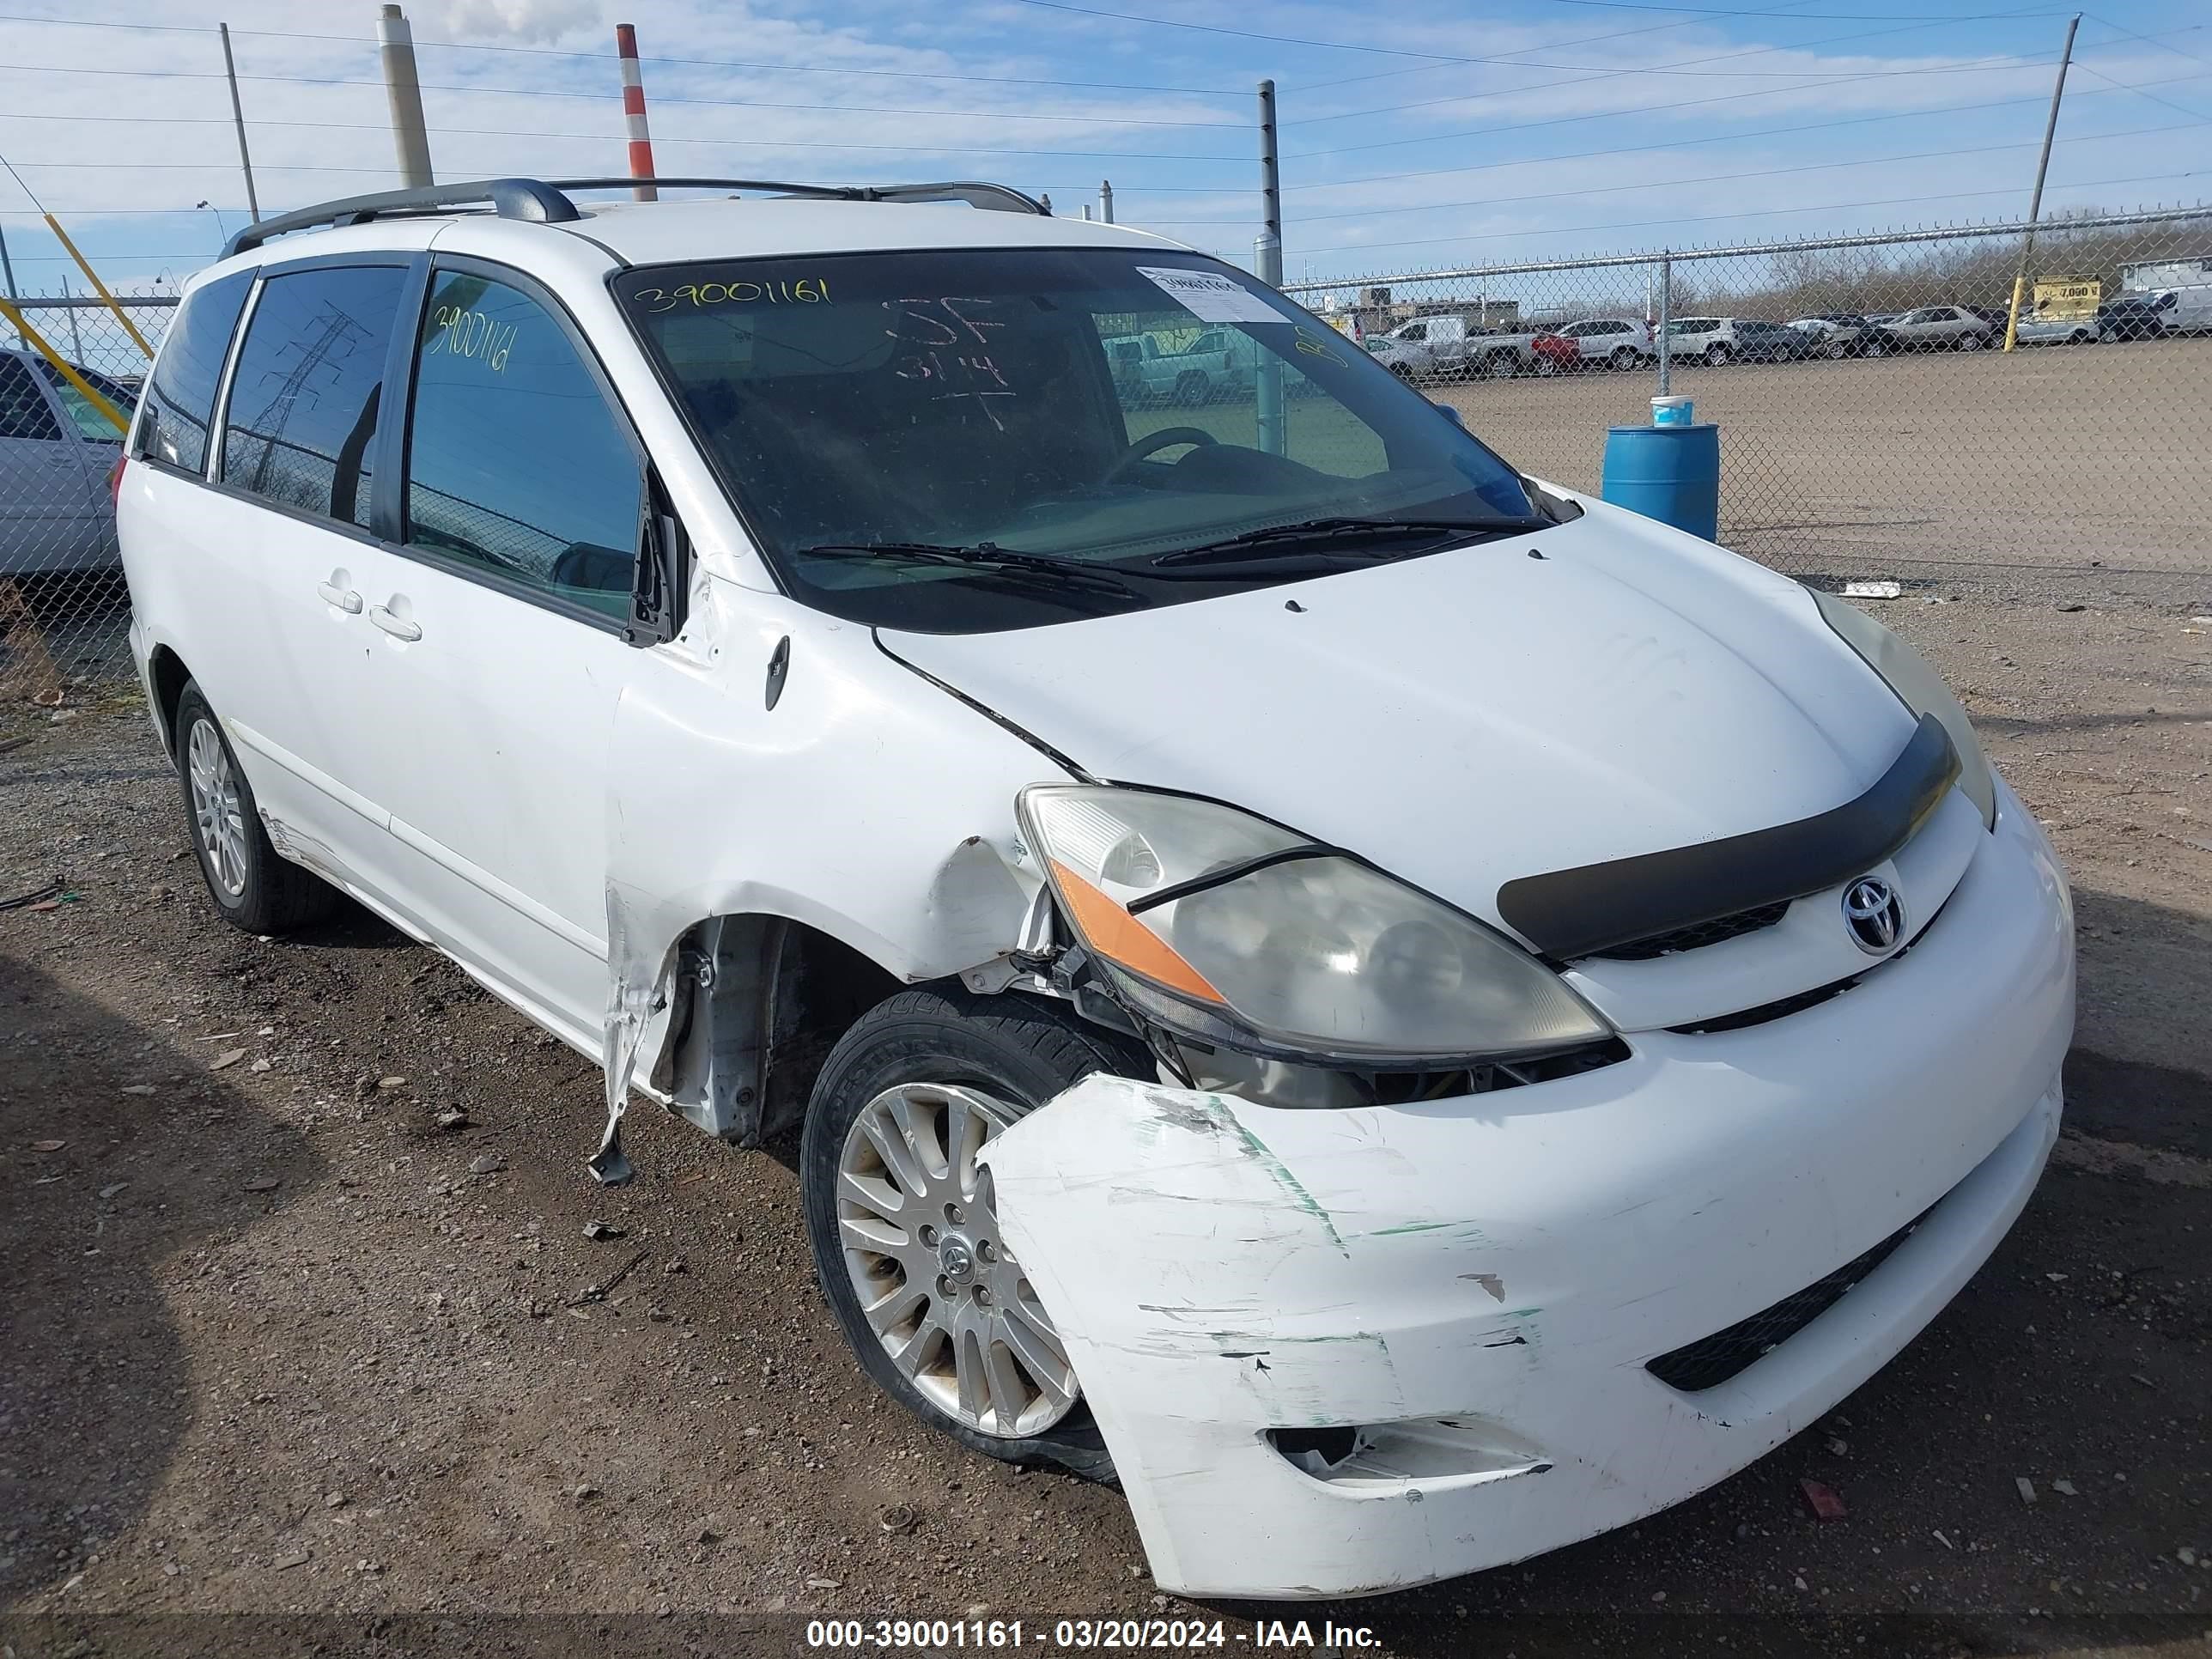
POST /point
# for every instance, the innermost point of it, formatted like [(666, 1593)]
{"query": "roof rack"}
[(536, 201)]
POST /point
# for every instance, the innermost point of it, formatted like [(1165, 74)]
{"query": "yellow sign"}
[(2063, 298)]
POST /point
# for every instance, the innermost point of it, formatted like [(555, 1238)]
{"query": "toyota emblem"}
[(1874, 914)]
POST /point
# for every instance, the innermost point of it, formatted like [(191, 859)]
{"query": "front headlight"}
[(1227, 929), (1919, 688)]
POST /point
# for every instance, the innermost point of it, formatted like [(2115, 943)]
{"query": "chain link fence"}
[(65, 612), (1873, 427)]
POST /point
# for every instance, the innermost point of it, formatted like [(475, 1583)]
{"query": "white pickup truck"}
[(1221, 363), (1449, 348)]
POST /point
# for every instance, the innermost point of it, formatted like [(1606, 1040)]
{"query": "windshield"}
[(977, 440)]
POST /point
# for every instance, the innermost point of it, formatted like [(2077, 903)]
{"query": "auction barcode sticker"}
[(1210, 297)]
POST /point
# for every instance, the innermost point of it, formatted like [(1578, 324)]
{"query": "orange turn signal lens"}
[(1114, 934)]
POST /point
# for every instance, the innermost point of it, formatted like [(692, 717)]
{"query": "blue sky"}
[(1433, 136)]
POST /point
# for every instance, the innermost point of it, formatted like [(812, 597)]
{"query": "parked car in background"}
[(57, 450), (1426, 348), (1944, 328), (1844, 334), (1610, 342), (1218, 363), (1717, 340), (1498, 353), (1555, 354), (2032, 329), (2146, 316)]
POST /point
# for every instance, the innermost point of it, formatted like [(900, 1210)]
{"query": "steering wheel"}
[(1152, 442)]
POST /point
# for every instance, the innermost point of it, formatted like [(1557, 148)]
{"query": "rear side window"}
[(23, 412), (516, 463), (305, 398), (180, 396), (83, 414)]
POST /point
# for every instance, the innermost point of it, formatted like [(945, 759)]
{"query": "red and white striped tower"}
[(641, 138)]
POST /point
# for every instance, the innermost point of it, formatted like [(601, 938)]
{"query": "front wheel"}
[(1191, 389), (1838, 350), (1716, 355), (903, 1225), (253, 889), (1970, 342), (1624, 359)]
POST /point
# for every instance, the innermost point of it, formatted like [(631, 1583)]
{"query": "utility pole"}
[(237, 120), (2035, 201), (395, 45), (1106, 200), (1268, 383)]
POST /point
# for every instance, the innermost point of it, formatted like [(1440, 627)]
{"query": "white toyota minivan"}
[(1381, 1002)]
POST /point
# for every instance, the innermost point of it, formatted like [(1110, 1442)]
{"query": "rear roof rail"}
[(536, 201)]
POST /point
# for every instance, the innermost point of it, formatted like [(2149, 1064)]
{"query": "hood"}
[(1470, 717)]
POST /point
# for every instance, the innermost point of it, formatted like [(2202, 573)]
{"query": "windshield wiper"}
[(1331, 538), (984, 556)]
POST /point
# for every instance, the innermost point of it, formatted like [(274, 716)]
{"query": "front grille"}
[(1712, 1360), (1696, 935)]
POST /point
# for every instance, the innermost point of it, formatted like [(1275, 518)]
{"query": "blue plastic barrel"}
[(1670, 473)]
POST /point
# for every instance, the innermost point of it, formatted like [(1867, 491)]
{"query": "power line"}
[(1685, 143), (1705, 178), (1569, 120), (608, 56), (1751, 213), (1683, 66), (2122, 86), (1549, 45), (601, 97), (732, 143)]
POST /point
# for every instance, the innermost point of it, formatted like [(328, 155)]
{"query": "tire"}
[(1970, 341), (1498, 366), (1546, 365), (1623, 359), (1012, 1053), (1716, 355), (1190, 388), (254, 889), (1875, 345), (1836, 351)]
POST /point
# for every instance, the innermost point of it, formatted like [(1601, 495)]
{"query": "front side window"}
[(1414, 331), (23, 412), (180, 396), (516, 466), (308, 390), (940, 440)]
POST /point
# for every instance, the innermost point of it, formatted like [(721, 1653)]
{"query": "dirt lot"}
[(277, 1346), (2082, 456)]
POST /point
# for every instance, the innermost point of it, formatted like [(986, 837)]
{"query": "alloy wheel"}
[(935, 1280), (217, 808)]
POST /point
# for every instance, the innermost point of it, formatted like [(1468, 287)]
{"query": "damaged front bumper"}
[(1475, 1288)]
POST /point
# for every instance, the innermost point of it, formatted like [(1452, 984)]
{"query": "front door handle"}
[(397, 626), (344, 598)]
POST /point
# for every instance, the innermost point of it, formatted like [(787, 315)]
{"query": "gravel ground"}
[(2001, 467), (282, 1339)]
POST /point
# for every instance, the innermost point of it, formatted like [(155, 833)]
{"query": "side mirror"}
[(661, 589)]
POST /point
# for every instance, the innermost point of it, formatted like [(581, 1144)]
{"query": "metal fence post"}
[(1267, 380), (1666, 341)]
